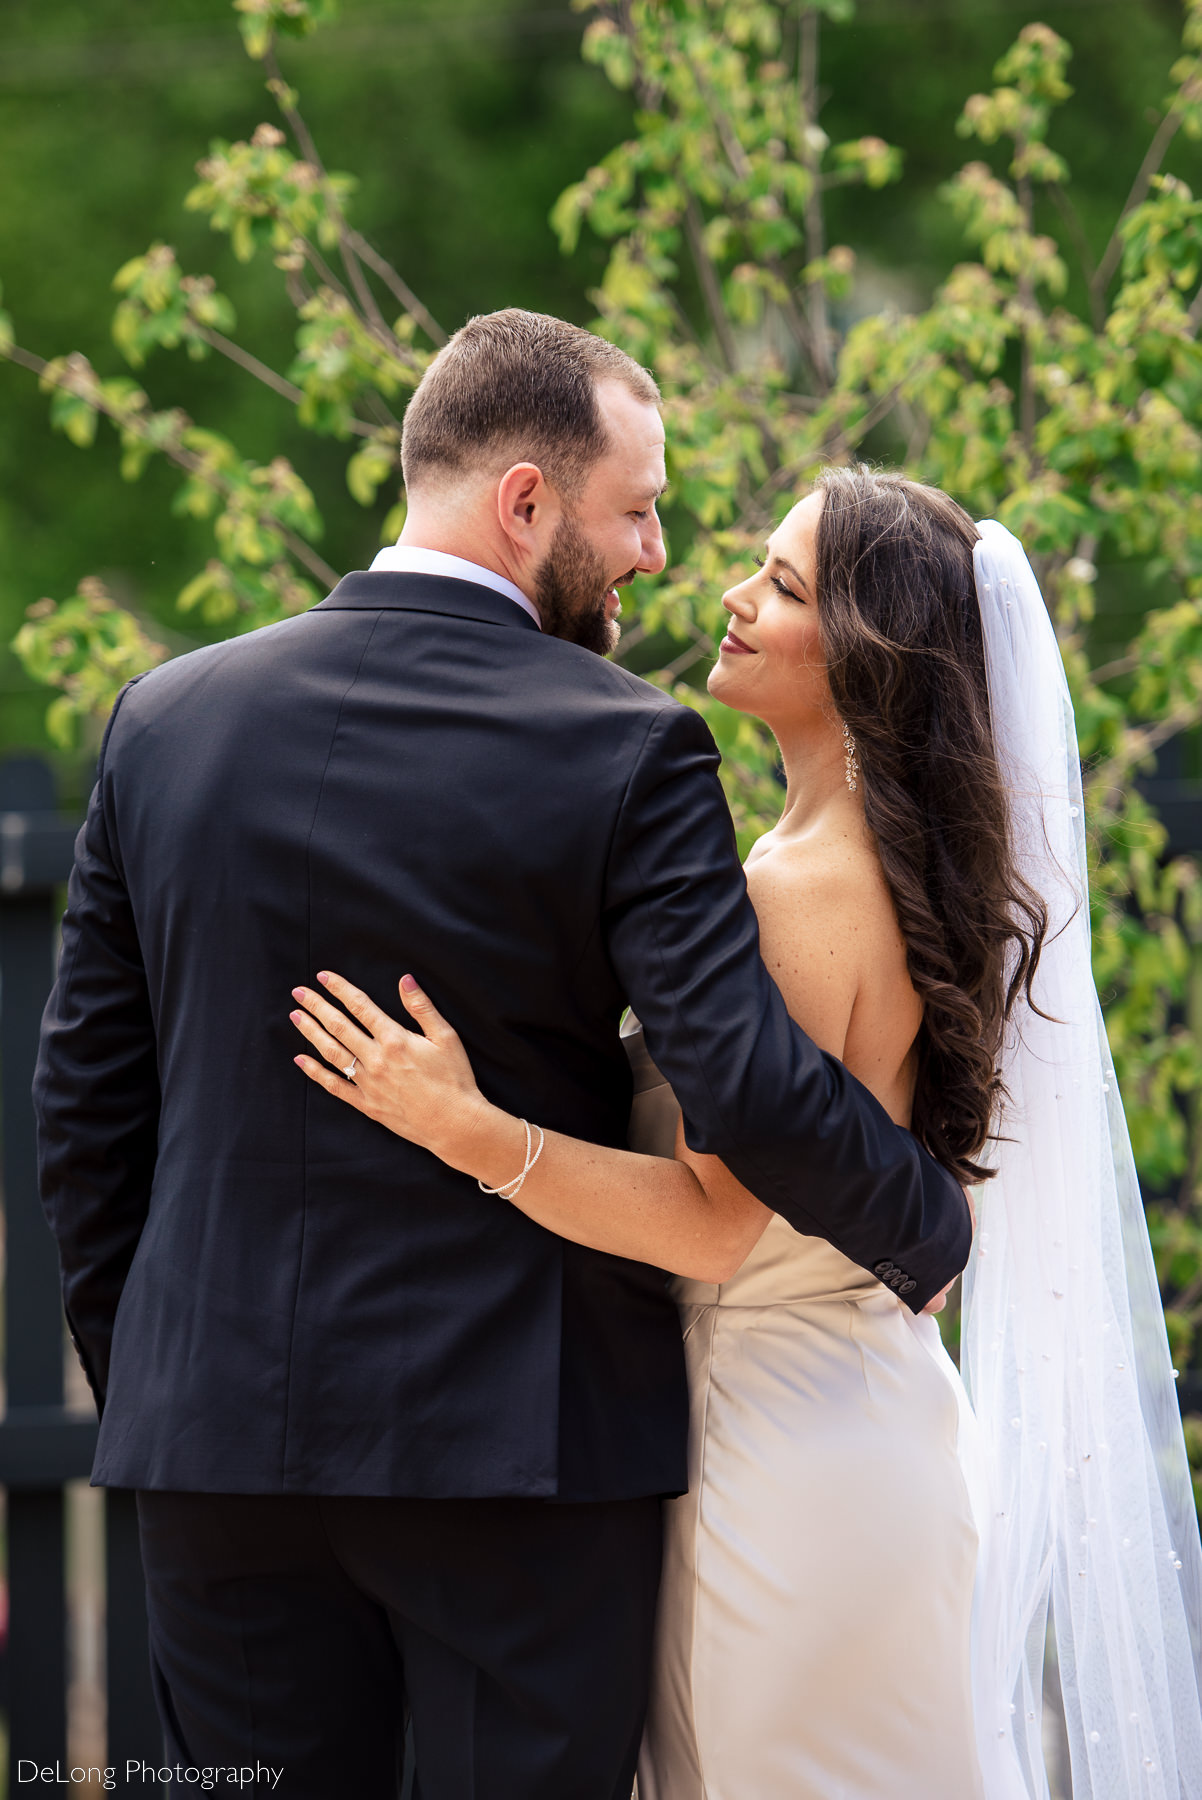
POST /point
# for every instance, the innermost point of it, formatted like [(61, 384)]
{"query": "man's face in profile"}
[(610, 531)]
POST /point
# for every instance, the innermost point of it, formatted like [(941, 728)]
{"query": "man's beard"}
[(571, 590)]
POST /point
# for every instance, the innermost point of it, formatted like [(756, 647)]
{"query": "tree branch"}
[(1141, 744), (701, 646), (1026, 298), (1194, 314), (174, 452), (630, 640), (308, 148), (711, 288), (351, 244), (736, 156), (756, 513), (400, 289), (848, 440), (918, 427), (383, 336), (619, 14), (278, 383), (324, 273), (236, 354), (1122, 665), (798, 325), (1076, 231), (298, 292), (796, 321), (815, 223), (687, 330), (386, 339), (1155, 155)]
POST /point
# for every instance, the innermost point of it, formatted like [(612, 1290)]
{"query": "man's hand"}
[(939, 1301)]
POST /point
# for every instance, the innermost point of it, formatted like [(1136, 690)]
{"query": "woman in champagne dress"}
[(816, 1598), (816, 1623)]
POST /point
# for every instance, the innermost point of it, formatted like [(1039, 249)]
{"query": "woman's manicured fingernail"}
[(298, 993), (296, 1017), (324, 978), (299, 1061), (408, 983)]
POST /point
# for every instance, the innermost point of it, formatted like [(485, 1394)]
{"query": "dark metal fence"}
[(42, 1444)]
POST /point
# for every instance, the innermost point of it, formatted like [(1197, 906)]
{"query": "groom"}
[(399, 1451)]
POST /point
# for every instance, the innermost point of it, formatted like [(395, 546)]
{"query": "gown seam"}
[(693, 1659), (853, 1333)]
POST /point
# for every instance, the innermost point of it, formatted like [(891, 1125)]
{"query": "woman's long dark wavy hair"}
[(901, 632)]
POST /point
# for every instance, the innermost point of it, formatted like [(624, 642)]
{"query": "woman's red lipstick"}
[(734, 646)]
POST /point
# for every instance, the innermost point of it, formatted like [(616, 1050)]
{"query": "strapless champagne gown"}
[(814, 1622)]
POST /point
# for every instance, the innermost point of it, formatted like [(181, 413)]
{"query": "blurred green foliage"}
[(752, 211), (463, 120)]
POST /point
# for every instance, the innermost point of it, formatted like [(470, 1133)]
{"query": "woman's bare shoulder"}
[(830, 937), (829, 880), (809, 897)]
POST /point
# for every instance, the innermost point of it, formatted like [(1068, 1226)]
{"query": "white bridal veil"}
[(1064, 1350)]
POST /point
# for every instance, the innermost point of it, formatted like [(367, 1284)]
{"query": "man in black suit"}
[(399, 1450)]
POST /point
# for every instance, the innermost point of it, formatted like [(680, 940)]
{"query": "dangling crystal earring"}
[(851, 768)]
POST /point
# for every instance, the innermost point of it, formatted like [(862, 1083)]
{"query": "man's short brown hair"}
[(515, 387)]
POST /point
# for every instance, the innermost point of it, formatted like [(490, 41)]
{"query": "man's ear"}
[(527, 509)]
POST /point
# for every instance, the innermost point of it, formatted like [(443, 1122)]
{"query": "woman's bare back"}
[(830, 937)]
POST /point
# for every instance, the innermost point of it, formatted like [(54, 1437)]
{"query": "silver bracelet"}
[(509, 1190)]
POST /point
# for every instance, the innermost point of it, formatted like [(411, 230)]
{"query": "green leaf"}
[(75, 417), (88, 648), (394, 522), (260, 20), (371, 466)]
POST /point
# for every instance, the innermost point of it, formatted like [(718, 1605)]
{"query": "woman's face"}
[(771, 663)]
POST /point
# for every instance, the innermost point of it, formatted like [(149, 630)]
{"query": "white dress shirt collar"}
[(408, 559)]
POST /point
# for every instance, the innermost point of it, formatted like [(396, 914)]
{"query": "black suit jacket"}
[(272, 1293)]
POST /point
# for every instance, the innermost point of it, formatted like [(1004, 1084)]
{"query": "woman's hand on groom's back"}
[(417, 1083)]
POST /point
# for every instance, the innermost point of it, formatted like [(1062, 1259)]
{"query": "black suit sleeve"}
[(96, 1089), (787, 1119)]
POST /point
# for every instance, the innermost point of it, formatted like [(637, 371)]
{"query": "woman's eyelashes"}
[(782, 587)]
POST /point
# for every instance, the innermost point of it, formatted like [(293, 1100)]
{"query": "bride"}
[(858, 1582)]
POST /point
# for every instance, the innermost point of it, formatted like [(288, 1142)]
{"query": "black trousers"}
[(300, 1633)]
